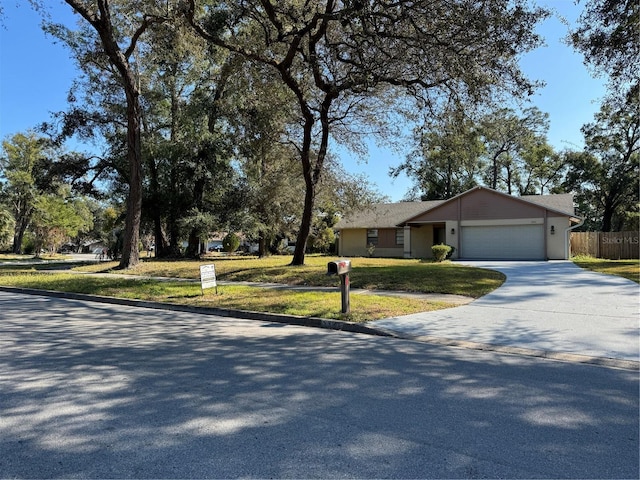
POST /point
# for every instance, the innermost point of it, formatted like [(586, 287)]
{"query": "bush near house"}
[(440, 252)]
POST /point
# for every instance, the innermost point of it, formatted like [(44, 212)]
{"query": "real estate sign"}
[(208, 277)]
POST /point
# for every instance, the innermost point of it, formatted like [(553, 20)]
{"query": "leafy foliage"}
[(231, 242), (607, 35), (58, 218), (606, 174), (440, 252)]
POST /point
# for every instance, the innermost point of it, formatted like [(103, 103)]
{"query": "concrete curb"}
[(221, 312), (338, 325), (526, 352)]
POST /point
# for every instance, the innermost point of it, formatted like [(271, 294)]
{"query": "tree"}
[(502, 149), (541, 169), (20, 166), (447, 159), (507, 136), (187, 149), (230, 242), (57, 217), (7, 225), (606, 174), (338, 57), (607, 36), (106, 220), (119, 27)]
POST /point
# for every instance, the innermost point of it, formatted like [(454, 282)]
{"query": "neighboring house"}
[(480, 223)]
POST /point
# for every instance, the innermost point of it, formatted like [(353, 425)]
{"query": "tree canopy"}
[(216, 117), (340, 60), (607, 36), (606, 174)]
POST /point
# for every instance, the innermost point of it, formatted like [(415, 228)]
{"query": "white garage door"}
[(509, 242)]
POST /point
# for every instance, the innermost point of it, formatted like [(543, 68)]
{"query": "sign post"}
[(208, 277)]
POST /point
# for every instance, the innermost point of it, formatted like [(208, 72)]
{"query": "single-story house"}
[(480, 223)]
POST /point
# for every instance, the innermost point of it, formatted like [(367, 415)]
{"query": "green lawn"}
[(624, 268), (380, 274), (371, 273), (368, 273)]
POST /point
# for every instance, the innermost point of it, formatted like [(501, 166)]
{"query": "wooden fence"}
[(609, 245)]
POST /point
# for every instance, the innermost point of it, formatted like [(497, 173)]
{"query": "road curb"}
[(338, 325), (221, 312), (526, 352)]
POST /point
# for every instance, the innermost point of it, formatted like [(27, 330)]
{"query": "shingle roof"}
[(390, 215), (385, 215), (561, 202)]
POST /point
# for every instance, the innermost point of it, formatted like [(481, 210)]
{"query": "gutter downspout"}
[(566, 237)]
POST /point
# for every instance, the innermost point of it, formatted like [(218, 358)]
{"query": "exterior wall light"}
[(553, 230), (453, 231)]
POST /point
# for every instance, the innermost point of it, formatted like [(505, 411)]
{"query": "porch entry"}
[(439, 234)]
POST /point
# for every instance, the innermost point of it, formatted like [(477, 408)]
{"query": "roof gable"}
[(478, 203)]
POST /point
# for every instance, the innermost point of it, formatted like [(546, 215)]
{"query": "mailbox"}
[(339, 267), (342, 268)]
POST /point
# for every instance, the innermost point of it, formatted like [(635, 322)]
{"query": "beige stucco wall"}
[(556, 243), (453, 239), (353, 244), (422, 241)]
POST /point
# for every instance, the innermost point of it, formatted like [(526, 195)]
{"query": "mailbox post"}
[(342, 268)]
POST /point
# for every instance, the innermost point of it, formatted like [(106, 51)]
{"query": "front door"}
[(439, 235)]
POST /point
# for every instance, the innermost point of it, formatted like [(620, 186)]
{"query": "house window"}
[(399, 236), (372, 237)]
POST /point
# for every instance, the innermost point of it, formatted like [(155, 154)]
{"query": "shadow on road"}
[(123, 392)]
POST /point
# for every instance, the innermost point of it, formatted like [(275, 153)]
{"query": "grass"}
[(629, 269), (313, 304), (409, 275), (371, 274)]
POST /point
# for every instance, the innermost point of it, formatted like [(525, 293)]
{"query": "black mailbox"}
[(339, 267)]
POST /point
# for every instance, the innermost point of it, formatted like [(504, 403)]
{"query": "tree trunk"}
[(305, 226), (262, 245), (100, 19), (172, 220), (311, 176), (609, 211), (130, 252), (494, 173), (21, 227)]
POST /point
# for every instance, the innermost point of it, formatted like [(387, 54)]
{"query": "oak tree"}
[(339, 58), (605, 175), (119, 27)]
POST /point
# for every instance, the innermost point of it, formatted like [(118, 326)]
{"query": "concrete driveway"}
[(544, 306)]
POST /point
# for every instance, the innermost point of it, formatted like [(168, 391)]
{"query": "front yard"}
[(370, 274), (408, 275)]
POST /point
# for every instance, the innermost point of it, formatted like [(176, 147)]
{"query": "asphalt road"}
[(92, 390)]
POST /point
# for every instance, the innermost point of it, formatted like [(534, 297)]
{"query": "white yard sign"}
[(208, 277)]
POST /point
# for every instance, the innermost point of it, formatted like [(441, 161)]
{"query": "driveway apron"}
[(548, 306)]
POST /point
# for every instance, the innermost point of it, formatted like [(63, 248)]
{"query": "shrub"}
[(440, 252), (230, 243), (371, 248), (453, 249)]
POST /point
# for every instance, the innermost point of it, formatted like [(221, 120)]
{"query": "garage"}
[(505, 242)]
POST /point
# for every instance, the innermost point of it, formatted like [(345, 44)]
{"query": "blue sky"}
[(35, 76)]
